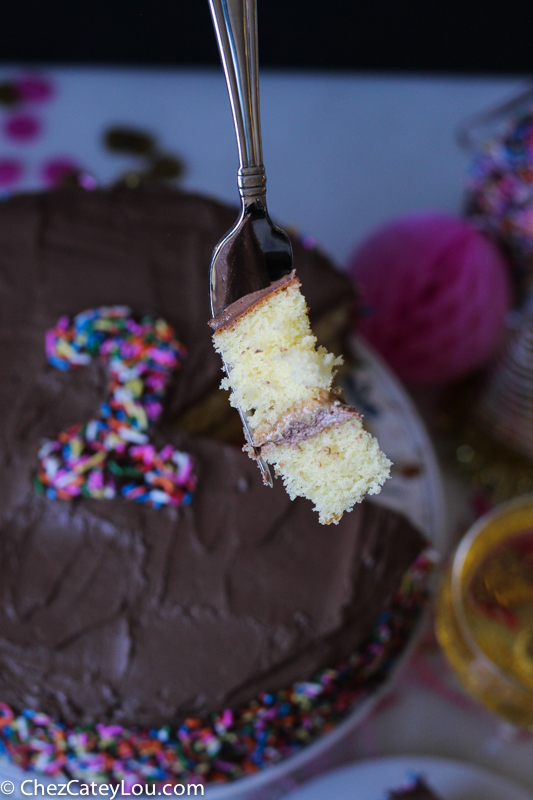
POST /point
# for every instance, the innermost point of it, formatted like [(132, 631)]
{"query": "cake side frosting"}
[(283, 382)]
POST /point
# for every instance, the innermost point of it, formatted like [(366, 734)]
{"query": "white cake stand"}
[(415, 490)]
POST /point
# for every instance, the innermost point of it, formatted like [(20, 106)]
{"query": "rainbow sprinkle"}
[(229, 744), (500, 185), (112, 454)]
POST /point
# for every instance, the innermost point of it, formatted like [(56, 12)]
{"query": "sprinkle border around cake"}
[(233, 743)]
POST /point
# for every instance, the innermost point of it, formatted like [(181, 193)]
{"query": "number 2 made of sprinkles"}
[(111, 455)]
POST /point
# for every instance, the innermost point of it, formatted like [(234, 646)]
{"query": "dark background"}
[(399, 35)]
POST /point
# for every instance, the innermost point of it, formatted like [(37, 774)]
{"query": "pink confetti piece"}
[(55, 170), (22, 128), (35, 88), (11, 171)]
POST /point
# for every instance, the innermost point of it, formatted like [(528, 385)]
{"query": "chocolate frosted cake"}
[(147, 576)]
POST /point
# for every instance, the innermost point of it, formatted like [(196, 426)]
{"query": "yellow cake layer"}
[(283, 382), (273, 359), (334, 468)]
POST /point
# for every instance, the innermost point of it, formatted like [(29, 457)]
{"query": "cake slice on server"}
[(298, 422)]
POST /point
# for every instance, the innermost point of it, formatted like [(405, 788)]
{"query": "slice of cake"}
[(415, 790), (299, 423)]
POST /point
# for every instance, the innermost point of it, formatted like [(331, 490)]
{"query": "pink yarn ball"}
[(437, 293)]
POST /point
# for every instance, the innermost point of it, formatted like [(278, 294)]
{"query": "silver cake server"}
[(255, 252)]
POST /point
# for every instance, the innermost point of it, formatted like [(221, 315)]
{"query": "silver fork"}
[(255, 252)]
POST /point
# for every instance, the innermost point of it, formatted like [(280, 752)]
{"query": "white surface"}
[(370, 780), (342, 153)]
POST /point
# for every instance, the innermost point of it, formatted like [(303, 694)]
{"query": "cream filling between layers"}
[(304, 421)]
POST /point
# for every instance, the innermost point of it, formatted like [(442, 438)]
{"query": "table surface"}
[(343, 153)]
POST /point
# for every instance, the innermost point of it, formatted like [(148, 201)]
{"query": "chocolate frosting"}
[(237, 309), (113, 611)]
